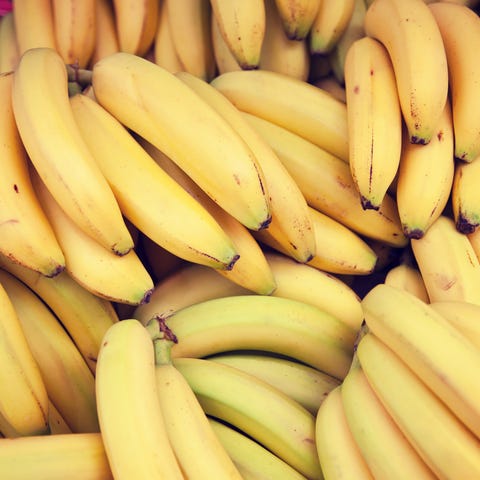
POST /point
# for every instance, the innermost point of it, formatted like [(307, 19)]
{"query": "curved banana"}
[(131, 423), (386, 451), (136, 24), (447, 261), (425, 178), (311, 166), (419, 60), (210, 152), (433, 430), (257, 322), (329, 24), (407, 277), (374, 120), (106, 38), (261, 411), (78, 456), (9, 54), (306, 385), (27, 236), (225, 61), (290, 213), (49, 132), (460, 29), (297, 17), (339, 455), (198, 450), (69, 382), (85, 316), (122, 279), (290, 103), (428, 344), (147, 195)]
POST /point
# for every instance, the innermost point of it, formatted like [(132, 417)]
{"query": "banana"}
[(242, 24), (419, 60), (306, 385), (122, 279), (210, 152), (311, 166), (280, 53), (250, 269), (49, 132), (463, 316), (290, 103), (439, 437), (74, 25), (9, 54), (425, 178), (27, 236), (257, 322), (289, 210), (23, 397), (79, 456), (297, 17), (339, 455), (198, 450), (84, 315), (106, 38), (261, 411), (407, 277), (329, 24), (385, 449), (225, 61), (136, 24), (148, 197), (460, 30), (374, 120), (69, 382), (448, 263), (190, 24), (131, 423), (428, 344), (253, 461), (33, 21)]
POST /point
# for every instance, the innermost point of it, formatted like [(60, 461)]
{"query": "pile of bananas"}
[(239, 239)]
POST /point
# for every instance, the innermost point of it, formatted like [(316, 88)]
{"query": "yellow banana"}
[(48, 130), (297, 16), (9, 53), (106, 38), (210, 152), (421, 72), (374, 120), (69, 382), (407, 277), (261, 411), (225, 61), (27, 236)]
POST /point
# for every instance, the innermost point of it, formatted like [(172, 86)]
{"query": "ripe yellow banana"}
[(374, 120), (27, 236), (290, 103), (148, 197), (311, 166), (419, 60), (435, 350), (131, 423), (439, 437), (425, 178), (48, 130), (448, 263), (79, 456), (460, 29), (9, 53), (210, 152), (261, 411), (69, 382), (339, 455), (407, 277), (297, 16), (106, 38), (225, 61)]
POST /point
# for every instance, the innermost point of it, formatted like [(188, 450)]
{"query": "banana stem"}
[(163, 339), (79, 75)]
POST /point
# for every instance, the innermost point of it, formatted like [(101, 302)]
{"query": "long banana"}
[(435, 350), (131, 423), (225, 61), (261, 411), (9, 53), (49, 132), (439, 437), (27, 236), (210, 152), (297, 16), (419, 60)]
